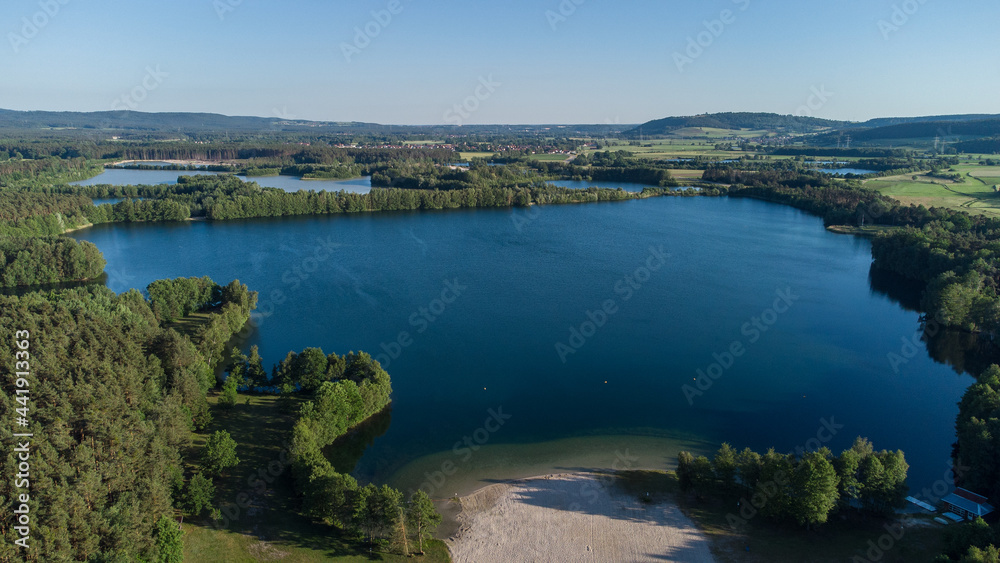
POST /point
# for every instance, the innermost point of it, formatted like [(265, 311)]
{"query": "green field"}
[(664, 149), (974, 195), (274, 531), (550, 157), (469, 155)]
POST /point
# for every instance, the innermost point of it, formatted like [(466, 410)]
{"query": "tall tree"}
[(169, 541), (422, 517), (219, 453), (814, 483)]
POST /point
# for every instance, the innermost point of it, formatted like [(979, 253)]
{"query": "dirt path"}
[(575, 517)]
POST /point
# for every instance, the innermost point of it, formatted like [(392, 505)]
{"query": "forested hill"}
[(946, 129), (741, 120), (886, 121), (177, 122)]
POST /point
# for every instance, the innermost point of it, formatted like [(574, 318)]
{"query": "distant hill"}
[(53, 123), (887, 121), (142, 121), (985, 145), (914, 130), (739, 120)]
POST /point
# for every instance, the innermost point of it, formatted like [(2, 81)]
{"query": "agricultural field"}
[(682, 174), (974, 195), (667, 149), (550, 157), (468, 155)]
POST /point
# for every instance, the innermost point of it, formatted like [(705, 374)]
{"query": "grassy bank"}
[(269, 526)]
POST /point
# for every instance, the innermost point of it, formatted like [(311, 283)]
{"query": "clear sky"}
[(509, 61)]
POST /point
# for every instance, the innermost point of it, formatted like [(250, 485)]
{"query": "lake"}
[(576, 327), (128, 177), (845, 171), (361, 185), (583, 184)]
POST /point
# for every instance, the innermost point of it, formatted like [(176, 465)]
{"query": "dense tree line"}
[(176, 298), (417, 176), (805, 488), (46, 260), (277, 203), (978, 431), (987, 146), (344, 391), (45, 171), (114, 396), (76, 153), (21, 205), (139, 211)]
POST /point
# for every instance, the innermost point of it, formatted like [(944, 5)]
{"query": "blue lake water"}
[(473, 310), (361, 185), (583, 184), (845, 171), (128, 177)]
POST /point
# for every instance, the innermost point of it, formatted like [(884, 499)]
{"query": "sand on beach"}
[(572, 517)]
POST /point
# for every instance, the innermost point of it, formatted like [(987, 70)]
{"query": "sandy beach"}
[(571, 517)]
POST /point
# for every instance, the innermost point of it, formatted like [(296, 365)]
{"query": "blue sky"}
[(516, 61)]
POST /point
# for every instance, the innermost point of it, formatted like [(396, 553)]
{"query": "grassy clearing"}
[(468, 155), (867, 231), (838, 540), (550, 157), (687, 174), (974, 195), (189, 325), (982, 171), (271, 528)]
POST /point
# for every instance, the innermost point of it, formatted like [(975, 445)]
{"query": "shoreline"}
[(190, 162), (575, 516)]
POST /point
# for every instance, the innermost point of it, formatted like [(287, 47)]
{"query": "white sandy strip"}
[(571, 517)]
